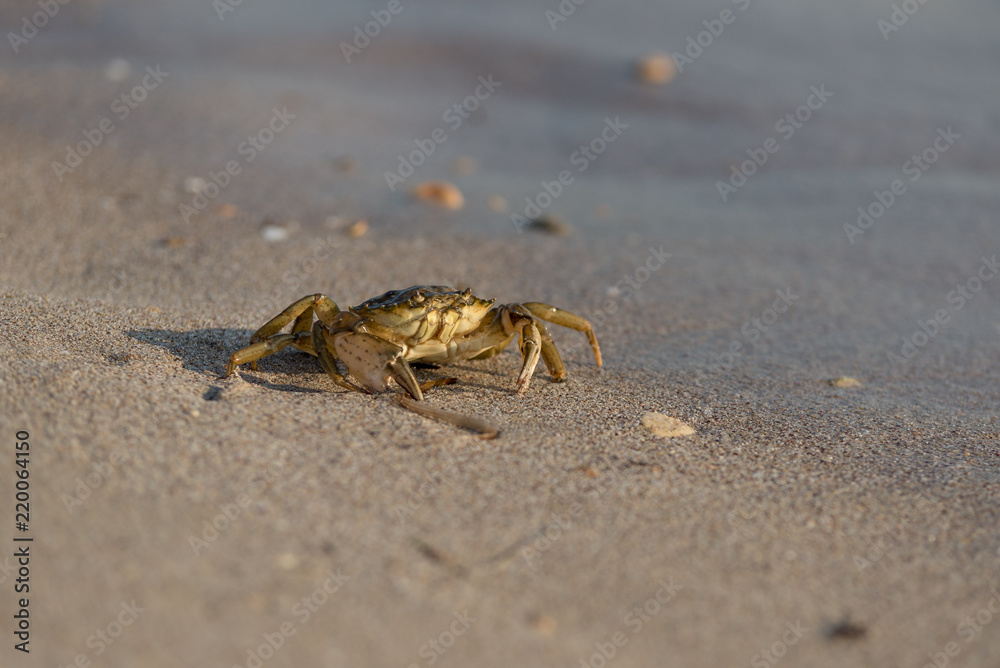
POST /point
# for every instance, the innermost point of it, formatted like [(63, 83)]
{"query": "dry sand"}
[(832, 526)]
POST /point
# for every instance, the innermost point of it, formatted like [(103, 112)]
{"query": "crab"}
[(378, 340)]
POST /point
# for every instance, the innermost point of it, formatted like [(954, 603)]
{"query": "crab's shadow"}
[(206, 351)]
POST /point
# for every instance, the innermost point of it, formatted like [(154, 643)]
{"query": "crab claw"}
[(372, 361), (403, 374)]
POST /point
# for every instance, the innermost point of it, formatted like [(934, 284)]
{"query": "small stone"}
[(118, 70), (845, 381), (358, 229), (544, 624), (464, 166), (666, 426), (442, 193), (288, 561), (497, 203), (550, 225), (194, 185), (656, 68), (344, 164), (226, 211), (274, 233)]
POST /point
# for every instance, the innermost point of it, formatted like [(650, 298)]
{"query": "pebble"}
[(274, 233), (497, 203), (845, 381), (118, 69), (358, 229), (550, 225), (288, 561), (344, 164), (545, 625), (174, 242), (226, 211), (465, 166), (666, 426), (442, 193), (194, 185), (656, 68)]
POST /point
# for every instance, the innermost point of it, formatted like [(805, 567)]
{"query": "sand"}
[(270, 519)]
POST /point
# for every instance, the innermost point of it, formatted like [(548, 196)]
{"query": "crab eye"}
[(419, 299)]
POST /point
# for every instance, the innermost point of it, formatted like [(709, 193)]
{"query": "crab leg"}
[(437, 382), (256, 351), (531, 347), (403, 374), (531, 340), (301, 312), (550, 355), (566, 319), (483, 430)]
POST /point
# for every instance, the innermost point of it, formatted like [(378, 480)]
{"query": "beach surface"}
[(174, 174)]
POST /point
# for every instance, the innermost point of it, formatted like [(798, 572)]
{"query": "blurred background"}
[(174, 173)]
